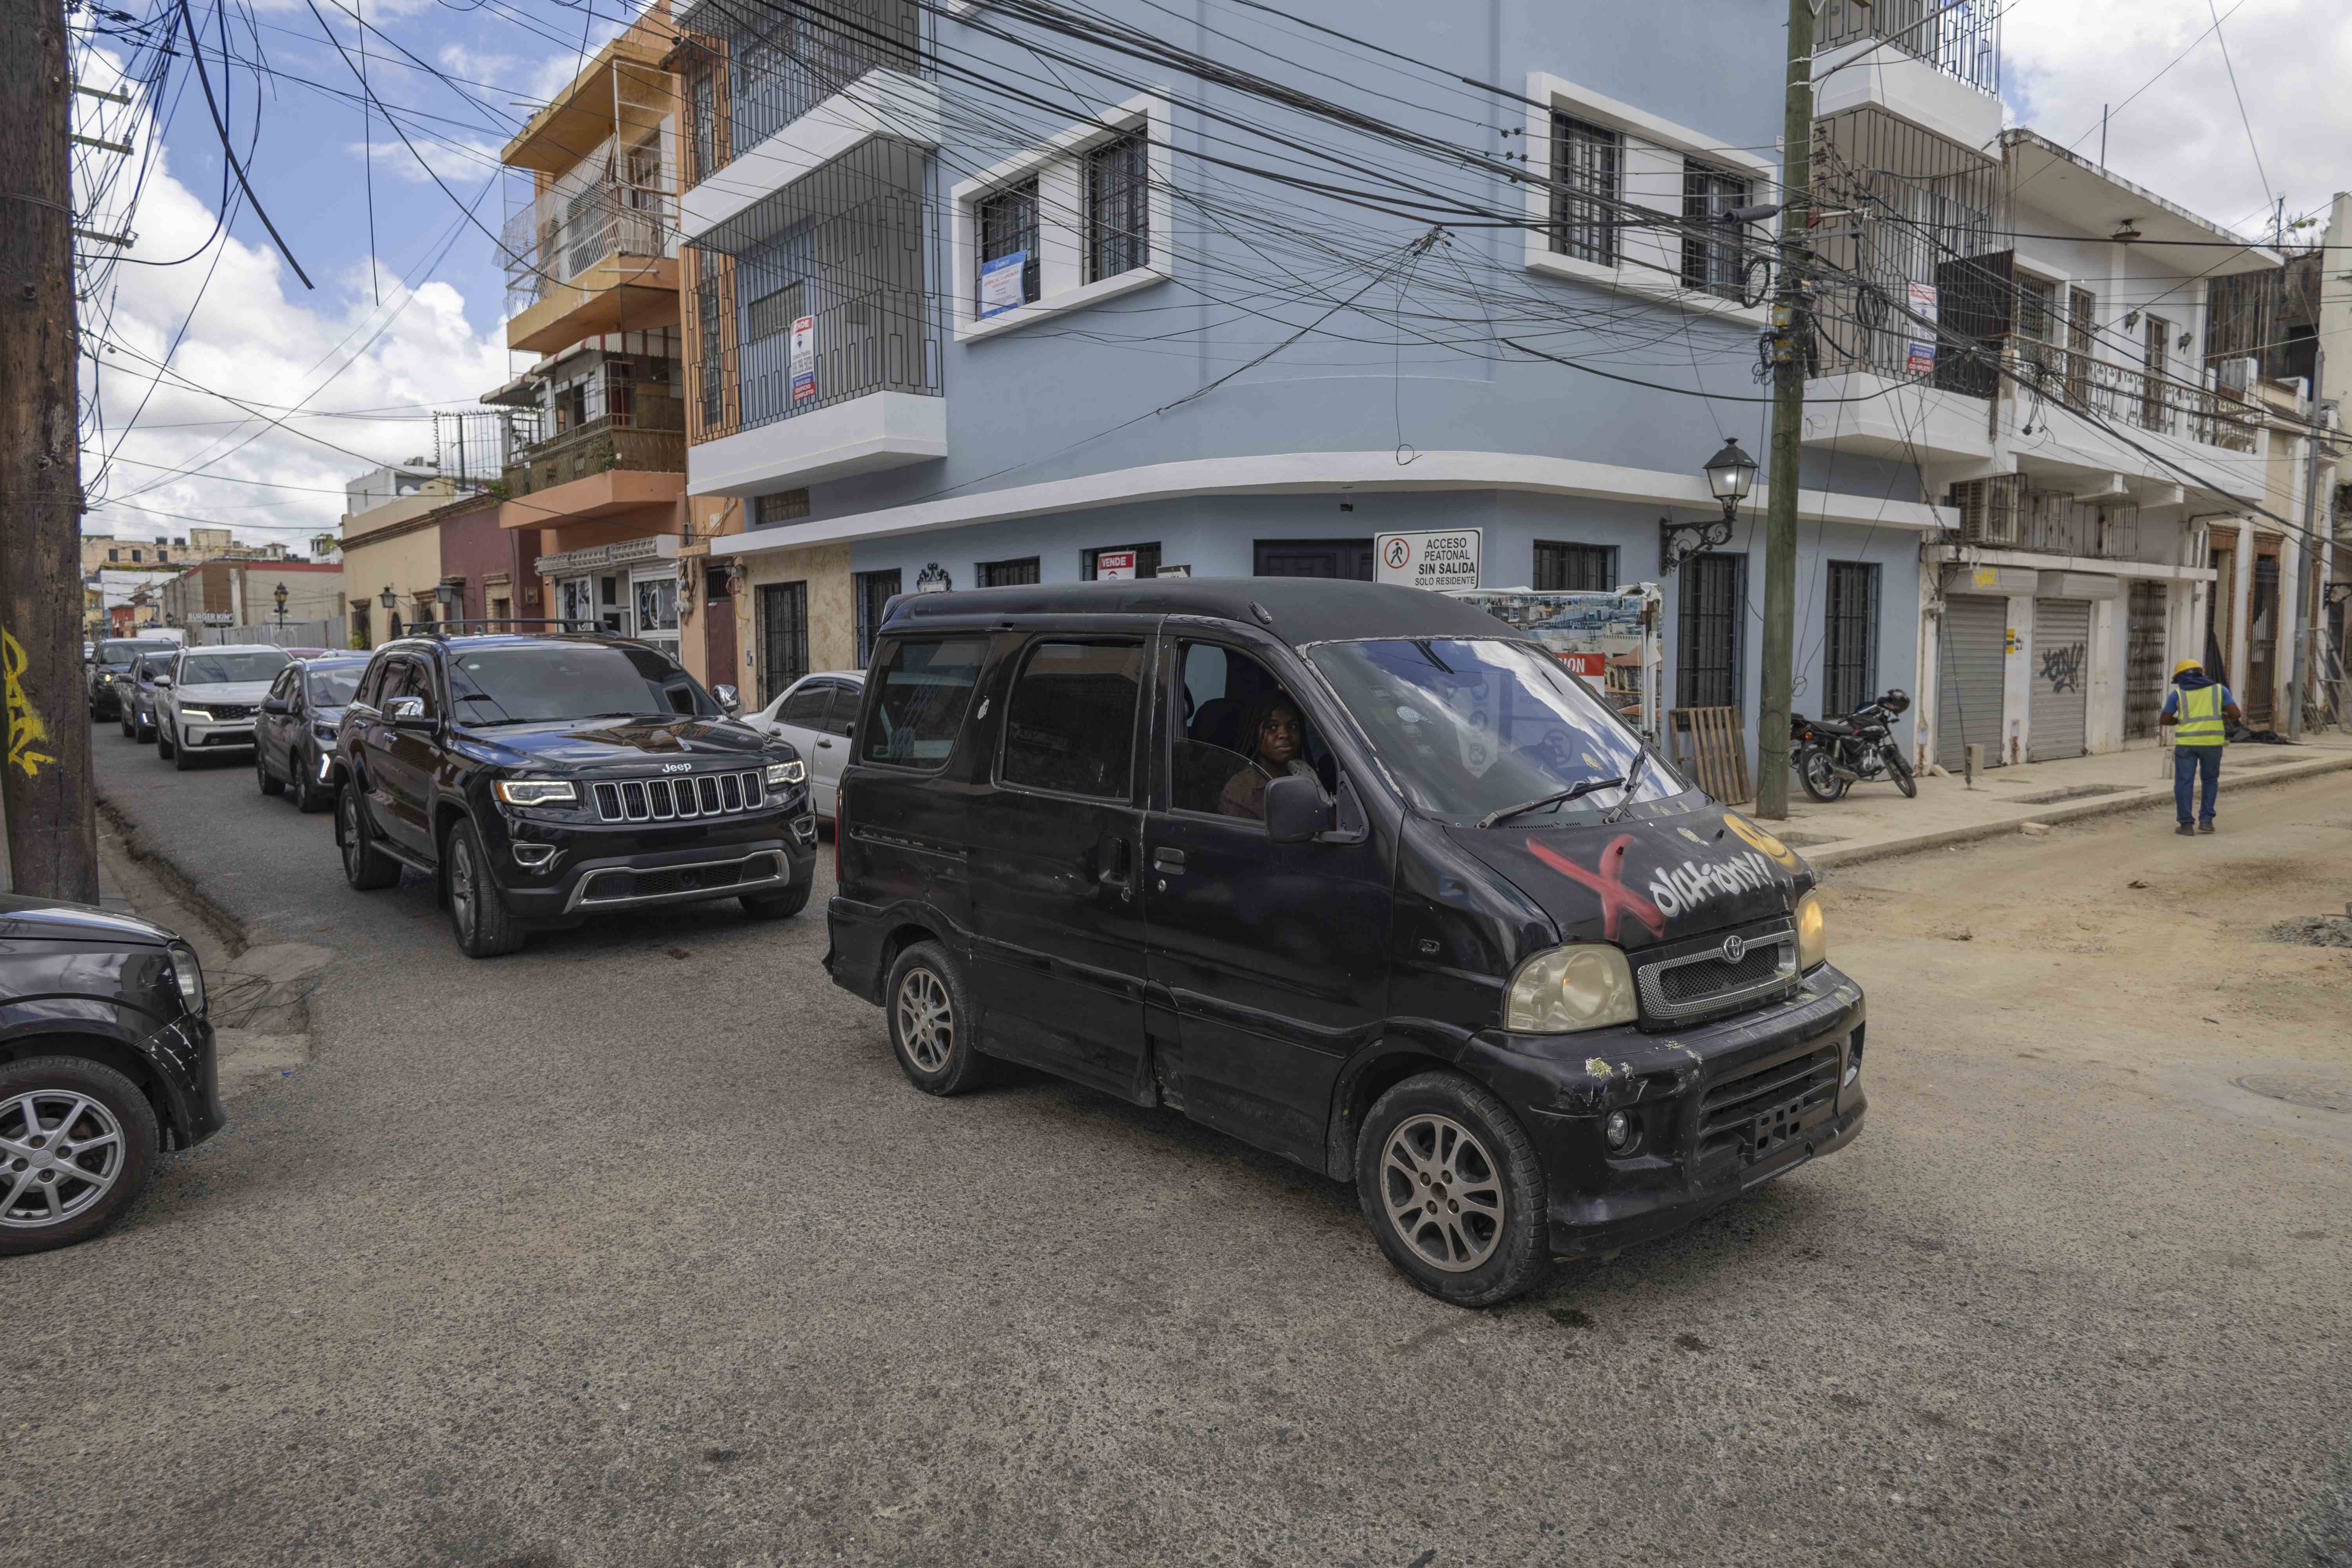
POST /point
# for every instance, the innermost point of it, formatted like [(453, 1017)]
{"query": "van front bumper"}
[(1714, 1111)]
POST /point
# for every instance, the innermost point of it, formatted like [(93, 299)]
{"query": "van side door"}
[(1273, 957), (1055, 842)]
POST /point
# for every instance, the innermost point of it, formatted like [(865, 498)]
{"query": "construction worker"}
[(2196, 708)]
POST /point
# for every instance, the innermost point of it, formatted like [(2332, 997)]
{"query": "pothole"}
[(2314, 931), (2080, 791), (2314, 1088)]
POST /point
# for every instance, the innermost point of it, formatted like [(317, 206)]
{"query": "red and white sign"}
[(1593, 666), (1115, 563)]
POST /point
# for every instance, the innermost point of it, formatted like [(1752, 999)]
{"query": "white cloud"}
[(2182, 137), (462, 162)]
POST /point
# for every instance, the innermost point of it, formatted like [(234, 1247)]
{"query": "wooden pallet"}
[(1708, 750)]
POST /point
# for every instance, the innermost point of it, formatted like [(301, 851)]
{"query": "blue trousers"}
[(2188, 763)]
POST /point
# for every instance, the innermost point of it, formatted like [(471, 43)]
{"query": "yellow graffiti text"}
[(24, 725)]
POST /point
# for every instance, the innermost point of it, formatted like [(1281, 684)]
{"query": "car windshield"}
[(572, 680), (223, 669), (333, 688), (119, 655), (1476, 726)]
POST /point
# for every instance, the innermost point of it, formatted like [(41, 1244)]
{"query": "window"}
[(804, 709), (114, 555), (1714, 603), (135, 556), (1714, 260), (2082, 310), (703, 114), (1588, 161), (1008, 573), (332, 686), (2158, 360), (372, 684), (783, 506), (714, 400), (1119, 206), (1007, 223), (875, 592), (1069, 725), (841, 717), (1240, 727), (2037, 321), (1850, 641), (775, 312), (926, 687), (1574, 568), (784, 634), (1147, 559)]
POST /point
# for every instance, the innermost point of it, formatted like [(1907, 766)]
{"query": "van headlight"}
[(536, 792), (783, 773), (1813, 933), (188, 975), (1565, 989)]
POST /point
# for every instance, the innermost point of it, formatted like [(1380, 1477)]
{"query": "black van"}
[(1356, 873)]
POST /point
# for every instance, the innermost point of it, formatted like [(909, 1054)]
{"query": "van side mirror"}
[(730, 699), (1296, 810)]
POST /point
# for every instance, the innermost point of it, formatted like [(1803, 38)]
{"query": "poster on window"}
[(1923, 302), (1114, 564), (1000, 283), (804, 358)]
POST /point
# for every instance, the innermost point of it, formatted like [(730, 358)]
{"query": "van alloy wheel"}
[(1442, 1191), (60, 1153), (926, 1020)]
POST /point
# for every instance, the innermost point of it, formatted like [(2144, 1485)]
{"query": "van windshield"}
[(1477, 725)]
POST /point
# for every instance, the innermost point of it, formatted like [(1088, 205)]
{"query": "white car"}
[(209, 699), (815, 714)]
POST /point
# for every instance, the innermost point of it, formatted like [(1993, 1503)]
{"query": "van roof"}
[(1296, 609)]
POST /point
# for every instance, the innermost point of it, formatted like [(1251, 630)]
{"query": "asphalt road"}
[(636, 1249)]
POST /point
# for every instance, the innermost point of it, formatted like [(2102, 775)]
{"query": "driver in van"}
[(1277, 738)]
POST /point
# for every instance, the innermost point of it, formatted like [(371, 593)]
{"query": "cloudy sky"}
[(348, 365)]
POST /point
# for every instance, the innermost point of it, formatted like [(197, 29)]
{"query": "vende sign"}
[(1115, 563), (1430, 559)]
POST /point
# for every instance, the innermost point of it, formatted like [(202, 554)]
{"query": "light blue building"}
[(974, 301)]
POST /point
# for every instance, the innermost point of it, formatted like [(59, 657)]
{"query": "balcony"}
[(641, 429), (2129, 397), (594, 252), (778, 65), (1961, 41)]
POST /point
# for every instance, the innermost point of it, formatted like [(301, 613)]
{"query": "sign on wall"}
[(1000, 283), (804, 358), (1447, 559), (1115, 563)]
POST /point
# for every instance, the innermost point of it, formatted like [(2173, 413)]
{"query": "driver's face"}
[(1277, 736)]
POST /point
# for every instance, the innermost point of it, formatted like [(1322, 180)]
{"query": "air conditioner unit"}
[(1990, 508)]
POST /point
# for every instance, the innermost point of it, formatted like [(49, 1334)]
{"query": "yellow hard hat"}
[(2186, 664)]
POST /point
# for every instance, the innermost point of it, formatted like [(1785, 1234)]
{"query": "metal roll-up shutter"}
[(1969, 679), (2059, 672)]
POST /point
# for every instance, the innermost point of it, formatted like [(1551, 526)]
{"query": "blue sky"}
[(246, 327)]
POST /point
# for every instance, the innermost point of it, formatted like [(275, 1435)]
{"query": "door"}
[(1055, 841), (2144, 675), (1968, 679), (1313, 558), (833, 744), (2257, 697), (273, 732), (719, 656), (401, 760), (1714, 623), (783, 636), (1268, 960), (2060, 678)]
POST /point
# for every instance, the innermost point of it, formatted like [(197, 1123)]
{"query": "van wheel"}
[(1450, 1184), (365, 867), (932, 1022), (478, 911), (77, 1145)]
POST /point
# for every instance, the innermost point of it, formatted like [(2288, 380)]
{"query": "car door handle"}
[(1169, 860), (824, 745)]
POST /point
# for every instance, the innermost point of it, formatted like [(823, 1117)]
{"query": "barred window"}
[(1007, 222), (703, 115), (1574, 568), (1586, 166), (1119, 206), (775, 312), (778, 506), (1713, 257), (714, 402)]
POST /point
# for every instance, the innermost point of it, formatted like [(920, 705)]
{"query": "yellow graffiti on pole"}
[(24, 725)]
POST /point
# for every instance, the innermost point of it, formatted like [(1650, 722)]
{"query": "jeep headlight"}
[(188, 975), (536, 792), (783, 773), (1565, 989), (1813, 933)]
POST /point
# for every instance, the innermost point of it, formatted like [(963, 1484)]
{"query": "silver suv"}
[(208, 701)]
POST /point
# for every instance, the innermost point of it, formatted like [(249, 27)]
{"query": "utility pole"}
[(2310, 554), (1790, 328), (44, 777)]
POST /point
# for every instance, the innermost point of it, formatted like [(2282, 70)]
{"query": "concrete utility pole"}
[(45, 776), (1791, 330)]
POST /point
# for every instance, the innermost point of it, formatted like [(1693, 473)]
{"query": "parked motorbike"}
[(1831, 755)]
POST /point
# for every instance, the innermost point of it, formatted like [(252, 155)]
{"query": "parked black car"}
[(540, 780), (1356, 873), (105, 1057), (294, 731), (136, 697), (109, 672)]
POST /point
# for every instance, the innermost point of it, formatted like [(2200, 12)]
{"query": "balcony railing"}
[(566, 229), (1963, 41), (763, 67), (2131, 396), (602, 444)]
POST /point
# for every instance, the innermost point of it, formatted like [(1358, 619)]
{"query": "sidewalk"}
[(1875, 820)]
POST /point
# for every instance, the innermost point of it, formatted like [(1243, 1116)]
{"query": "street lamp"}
[(387, 598), (278, 593), (1730, 475)]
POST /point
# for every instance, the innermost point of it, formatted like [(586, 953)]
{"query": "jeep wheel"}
[(1449, 1181), (478, 911), (778, 906), (932, 1022), (365, 867), (271, 783), (77, 1144)]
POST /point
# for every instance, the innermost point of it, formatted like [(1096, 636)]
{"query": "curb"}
[(1831, 855), (226, 928)]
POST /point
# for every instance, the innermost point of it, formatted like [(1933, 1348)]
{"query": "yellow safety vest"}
[(2200, 718)]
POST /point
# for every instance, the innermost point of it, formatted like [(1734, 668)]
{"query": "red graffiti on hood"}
[(1608, 880)]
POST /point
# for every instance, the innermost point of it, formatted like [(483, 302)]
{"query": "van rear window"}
[(926, 687)]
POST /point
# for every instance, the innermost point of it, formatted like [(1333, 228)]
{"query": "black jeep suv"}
[(540, 780)]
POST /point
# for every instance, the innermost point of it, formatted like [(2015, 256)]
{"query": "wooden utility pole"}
[(45, 785), (1792, 331)]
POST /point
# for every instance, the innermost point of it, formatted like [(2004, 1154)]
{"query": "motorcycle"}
[(1832, 754)]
